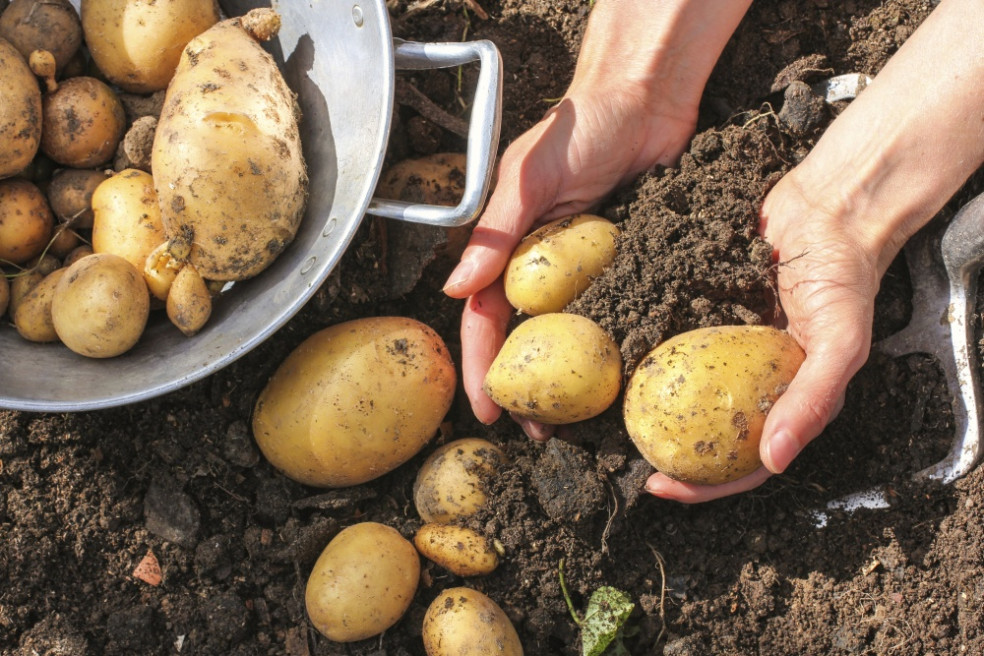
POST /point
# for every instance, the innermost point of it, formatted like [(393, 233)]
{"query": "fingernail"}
[(782, 449), (460, 275)]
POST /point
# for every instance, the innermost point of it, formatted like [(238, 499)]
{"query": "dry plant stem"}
[(409, 95)]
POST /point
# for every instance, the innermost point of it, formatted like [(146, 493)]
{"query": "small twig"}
[(408, 94), (477, 8)]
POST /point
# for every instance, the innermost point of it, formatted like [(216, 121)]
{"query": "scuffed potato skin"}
[(20, 112), (227, 157), (696, 404)]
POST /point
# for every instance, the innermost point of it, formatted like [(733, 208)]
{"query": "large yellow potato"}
[(126, 217), (227, 159), (354, 401), (452, 482), (137, 44), (556, 262), (696, 404), (556, 368), (464, 622), (362, 583), (20, 111), (458, 549)]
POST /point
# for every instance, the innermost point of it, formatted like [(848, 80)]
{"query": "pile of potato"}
[(140, 144)]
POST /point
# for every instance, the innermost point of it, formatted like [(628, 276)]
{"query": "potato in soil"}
[(465, 622), (556, 368), (458, 549), (453, 482), (696, 404), (20, 111)]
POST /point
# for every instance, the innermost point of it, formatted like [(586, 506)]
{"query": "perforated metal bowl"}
[(340, 58)]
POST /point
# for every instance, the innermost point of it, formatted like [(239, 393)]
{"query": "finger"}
[(483, 331), (534, 430), (663, 486)]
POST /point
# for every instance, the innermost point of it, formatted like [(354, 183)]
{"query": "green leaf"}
[(607, 611)]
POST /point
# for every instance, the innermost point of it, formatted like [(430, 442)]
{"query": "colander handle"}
[(483, 129)]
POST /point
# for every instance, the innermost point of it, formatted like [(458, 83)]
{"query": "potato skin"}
[(696, 404), (26, 221), (83, 123), (362, 583), (458, 549), (33, 316), (51, 25), (354, 401), (452, 482), (137, 44), (556, 368), (227, 156), (556, 262), (20, 112), (126, 217), (464, 622)]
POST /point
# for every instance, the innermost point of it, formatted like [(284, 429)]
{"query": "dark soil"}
[(83, 497)]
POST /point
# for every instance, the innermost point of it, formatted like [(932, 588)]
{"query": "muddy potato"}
[(437, 179), (696, 404), (556, 262), (100, 306), (33, 316), (126, 217), (354, 401), (227, 158), (70, 195), (83, 122), (137, 44), (458, 549), (20, 111), (464, 622), (51, 25), (362, 583), (189, 303), (26, 221), (556, 368), (452, 482)]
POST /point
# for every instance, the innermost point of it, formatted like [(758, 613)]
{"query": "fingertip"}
[(780, 450)]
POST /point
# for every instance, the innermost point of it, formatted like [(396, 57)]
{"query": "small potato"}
[(77, 254), (556, 368), (33, 316), (20, 112), (696, 404), (362, 583), (26, 221), (137, 44), (21, 285), (126, 217), (100, 306), (70, 194), (464, 622), (51, 25), (189, 303), (355, 401), (555, 263), (63, 241), (452, 482), (434, 180), (458, 549), (83, 123)]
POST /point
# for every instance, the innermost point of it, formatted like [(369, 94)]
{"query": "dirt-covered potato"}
[(83, 122), (362, 583), (126, 217), (453, 481), (437, 179), (20, 111), (458, 549), (556, 262), (464, 622), (33, 316), (137, 45), (189, 303), (51, 25), (556, 368), (100, 306), (696, 404), (70, 195), (26, 221), (227, 156), (355, 400)]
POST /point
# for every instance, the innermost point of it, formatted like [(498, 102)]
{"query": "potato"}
[(21, 285), (100, 306), (189, 303), (83, 122), (437, 179), (362, 583), (126, 217), (33, 316), (556, 368), (354, 401), (137, 44), (452, 482), (20, 112), (458, 549), (464, 622), (70, 195), (227, 156), (51, 25), (77, 254), (26, 221), (63, 241), (696, 404), (555, 263)]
